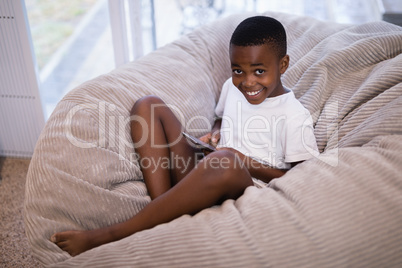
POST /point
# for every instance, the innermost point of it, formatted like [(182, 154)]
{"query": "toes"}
[(54, 238), (69, 241), (58, 237), (62, 244)]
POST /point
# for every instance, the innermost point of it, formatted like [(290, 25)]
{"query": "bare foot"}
[(73, 242)]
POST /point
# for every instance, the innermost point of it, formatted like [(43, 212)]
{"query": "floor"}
[(15, 250)]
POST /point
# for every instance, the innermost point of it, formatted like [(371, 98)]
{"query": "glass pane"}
[(175, 17), (72, 42)]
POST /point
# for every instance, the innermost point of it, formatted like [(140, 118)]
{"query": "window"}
[(77, 40), (68, 37)]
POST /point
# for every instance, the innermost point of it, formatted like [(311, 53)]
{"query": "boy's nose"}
[(249, 81)]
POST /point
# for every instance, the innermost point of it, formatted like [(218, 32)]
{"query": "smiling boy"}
[(260, 118), (262, 131)]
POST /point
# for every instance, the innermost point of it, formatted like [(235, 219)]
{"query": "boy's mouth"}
[(253, 93)]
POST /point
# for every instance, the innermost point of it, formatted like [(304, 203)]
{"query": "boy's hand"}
[(211, 138), (206, 138)]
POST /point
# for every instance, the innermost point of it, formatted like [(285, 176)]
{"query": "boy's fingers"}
[(215, 139), (216, 135), (206, 138)]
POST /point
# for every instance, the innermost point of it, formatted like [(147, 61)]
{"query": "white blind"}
[(21, 115)]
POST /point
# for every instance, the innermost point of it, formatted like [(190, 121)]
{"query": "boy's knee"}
[(225, 165), (146, 103), (227, 172)]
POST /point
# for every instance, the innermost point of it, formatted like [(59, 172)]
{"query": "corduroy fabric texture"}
[(341, 209)]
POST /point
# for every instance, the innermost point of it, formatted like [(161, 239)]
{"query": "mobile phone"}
[(199, 143)]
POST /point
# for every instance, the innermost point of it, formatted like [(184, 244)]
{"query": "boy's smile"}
[(256, 72)]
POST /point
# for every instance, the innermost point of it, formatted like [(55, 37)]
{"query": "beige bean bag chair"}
[(341, 209)]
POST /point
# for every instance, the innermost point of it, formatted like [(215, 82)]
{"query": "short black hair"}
[(260, 30)]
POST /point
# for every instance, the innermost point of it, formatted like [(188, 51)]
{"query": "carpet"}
[(14, 247)]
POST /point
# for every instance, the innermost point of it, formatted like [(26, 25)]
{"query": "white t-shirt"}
[(277, 132)]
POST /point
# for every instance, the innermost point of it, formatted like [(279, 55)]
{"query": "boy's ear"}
[(284, 64)]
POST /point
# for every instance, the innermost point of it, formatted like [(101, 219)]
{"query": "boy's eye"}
[(259, 71), (237, 71)]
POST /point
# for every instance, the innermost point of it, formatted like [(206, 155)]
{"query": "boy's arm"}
[(257, 169), (215, 134)]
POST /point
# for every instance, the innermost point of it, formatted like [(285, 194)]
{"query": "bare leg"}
[(156, 133), (219, 176)]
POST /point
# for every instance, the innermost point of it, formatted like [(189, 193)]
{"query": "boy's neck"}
[(279, 91)]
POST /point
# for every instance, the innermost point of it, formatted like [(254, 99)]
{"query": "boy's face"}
[(256, 72)]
